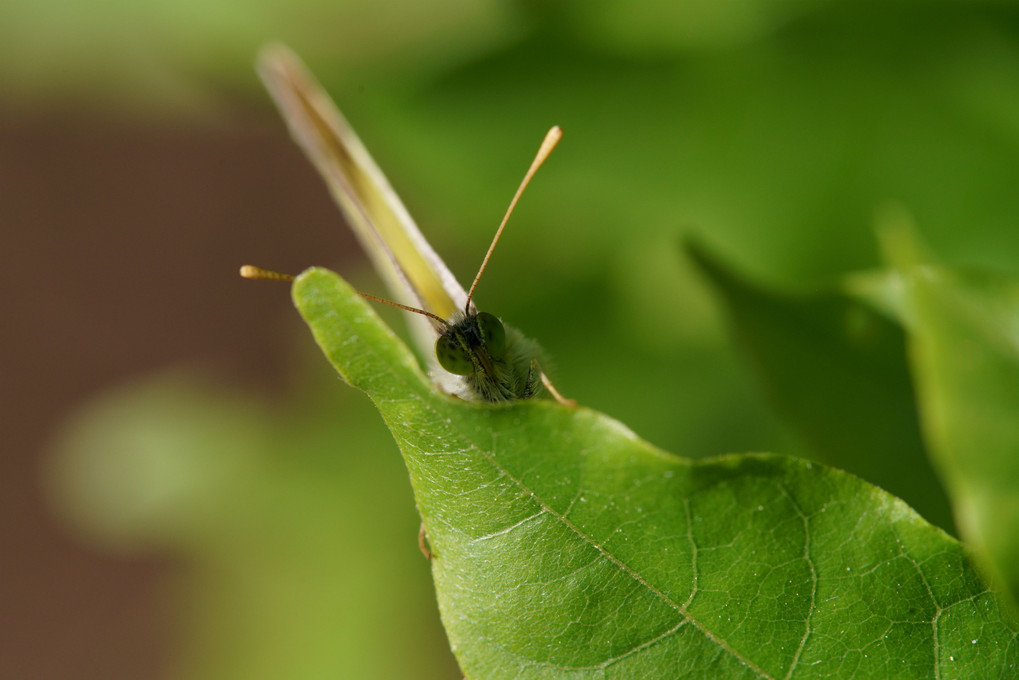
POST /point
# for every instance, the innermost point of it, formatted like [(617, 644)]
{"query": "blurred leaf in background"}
[(836, 366), (964, 353), (774, 128), (836, 370)]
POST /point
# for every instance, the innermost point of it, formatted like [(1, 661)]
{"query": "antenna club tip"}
[(552, 138), (250, 271)]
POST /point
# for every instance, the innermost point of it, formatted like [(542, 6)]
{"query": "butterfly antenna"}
[(434, 317), (551, 139), (250, 271)]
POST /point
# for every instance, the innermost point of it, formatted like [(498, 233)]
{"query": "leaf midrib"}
[(625, 568)]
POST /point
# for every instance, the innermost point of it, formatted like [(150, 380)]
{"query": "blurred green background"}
[(189, 492)]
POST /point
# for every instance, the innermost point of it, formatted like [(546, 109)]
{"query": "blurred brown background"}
[(121, 246)]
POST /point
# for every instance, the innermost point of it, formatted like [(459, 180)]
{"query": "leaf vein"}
[(508, 529), (813, 579), (693, 553), (625, 568)]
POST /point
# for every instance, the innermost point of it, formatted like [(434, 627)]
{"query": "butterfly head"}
[(471, 344)]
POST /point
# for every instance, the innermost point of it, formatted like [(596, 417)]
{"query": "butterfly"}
[(476, 356)]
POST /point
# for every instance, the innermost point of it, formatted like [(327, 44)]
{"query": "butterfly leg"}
[(540, 374), (423, 542)]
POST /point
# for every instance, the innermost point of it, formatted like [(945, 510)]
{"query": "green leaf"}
[(836, 370), (566, 547)]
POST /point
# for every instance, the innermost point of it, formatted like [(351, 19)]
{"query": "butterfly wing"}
[(412, 270)]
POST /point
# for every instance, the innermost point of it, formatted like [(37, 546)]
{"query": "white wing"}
[(412, 270)]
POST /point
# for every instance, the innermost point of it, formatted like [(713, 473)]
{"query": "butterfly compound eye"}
[(452, 356), (492, 333)]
